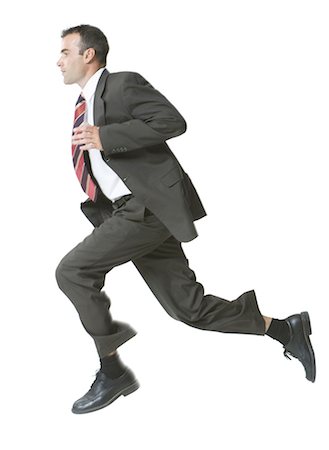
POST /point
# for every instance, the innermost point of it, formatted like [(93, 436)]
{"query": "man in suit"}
[(142, 205)]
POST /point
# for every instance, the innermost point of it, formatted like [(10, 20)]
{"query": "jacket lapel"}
[(99, 109)]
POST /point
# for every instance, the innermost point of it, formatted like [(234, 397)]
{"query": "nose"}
[(59, 62)]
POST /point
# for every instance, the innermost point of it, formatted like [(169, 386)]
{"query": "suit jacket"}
[(135, 122)]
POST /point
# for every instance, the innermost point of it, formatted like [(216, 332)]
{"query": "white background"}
[(251, 80)]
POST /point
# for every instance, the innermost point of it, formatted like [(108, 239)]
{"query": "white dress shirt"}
[(110, 183)]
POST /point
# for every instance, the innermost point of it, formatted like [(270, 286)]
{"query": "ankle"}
[(268, 321), (279, 330), (112, 366)]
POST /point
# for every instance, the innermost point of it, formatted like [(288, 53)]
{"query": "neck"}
[(82, 83)]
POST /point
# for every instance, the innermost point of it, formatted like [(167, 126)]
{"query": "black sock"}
[(279, 330), (112, 366)]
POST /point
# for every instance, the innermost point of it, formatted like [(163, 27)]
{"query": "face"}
[(73, 65)]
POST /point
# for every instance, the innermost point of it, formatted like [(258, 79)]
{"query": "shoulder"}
[(123, 84), (127, 77)]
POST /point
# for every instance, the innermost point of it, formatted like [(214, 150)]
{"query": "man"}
[(143, 205)]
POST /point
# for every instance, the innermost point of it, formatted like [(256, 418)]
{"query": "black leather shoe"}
[(300, 345), (104, 391)]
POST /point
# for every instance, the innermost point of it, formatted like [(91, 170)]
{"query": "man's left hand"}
[(87, 136)]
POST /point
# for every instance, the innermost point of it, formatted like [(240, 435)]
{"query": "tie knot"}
[(80, 99)]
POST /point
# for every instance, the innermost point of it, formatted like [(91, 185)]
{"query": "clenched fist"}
[(87, 136)]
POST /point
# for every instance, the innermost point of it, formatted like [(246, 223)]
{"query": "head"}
[(84, 51)]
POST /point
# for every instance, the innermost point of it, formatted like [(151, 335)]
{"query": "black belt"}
[(121, 201)]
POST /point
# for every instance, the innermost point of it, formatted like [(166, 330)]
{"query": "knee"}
[(61, 275), (187, 317)]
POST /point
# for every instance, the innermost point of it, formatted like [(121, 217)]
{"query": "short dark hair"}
[(90, 37)]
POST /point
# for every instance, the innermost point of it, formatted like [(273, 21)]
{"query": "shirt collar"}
[(90, 88)]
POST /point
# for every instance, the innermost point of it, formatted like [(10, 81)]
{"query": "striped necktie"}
[(77, 154)]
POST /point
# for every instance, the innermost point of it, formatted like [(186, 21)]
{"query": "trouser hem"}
[(109, 343), (258, 319)]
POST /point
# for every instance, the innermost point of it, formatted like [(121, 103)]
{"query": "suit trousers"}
[(133, 233)]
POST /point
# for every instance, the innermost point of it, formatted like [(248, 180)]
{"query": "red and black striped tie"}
[(77, 154)]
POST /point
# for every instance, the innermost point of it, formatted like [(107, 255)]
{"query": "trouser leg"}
[(125, 235), (168, 275)]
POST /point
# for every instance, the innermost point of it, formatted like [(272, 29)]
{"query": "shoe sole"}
[(307, 330), (126, 391)]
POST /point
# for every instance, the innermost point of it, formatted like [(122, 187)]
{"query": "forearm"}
[(153, 119), (135, 134)]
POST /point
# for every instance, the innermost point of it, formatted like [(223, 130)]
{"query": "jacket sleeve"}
[(154, 119)]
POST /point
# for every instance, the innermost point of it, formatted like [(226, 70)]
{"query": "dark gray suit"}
[(135, 121)]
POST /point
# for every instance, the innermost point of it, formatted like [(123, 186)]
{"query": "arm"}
[(154, 119)]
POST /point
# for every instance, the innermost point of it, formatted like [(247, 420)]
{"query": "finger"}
[(82, 127), (82, 135), (78, 137), (78, 141), (78, 130), (87, 146)]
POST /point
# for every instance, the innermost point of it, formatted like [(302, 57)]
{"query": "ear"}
[(89, 55)]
